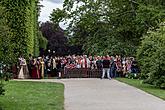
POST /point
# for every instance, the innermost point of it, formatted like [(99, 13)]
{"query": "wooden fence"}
[(81, 73)]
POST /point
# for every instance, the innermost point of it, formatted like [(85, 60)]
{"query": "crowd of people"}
[(49, 66)]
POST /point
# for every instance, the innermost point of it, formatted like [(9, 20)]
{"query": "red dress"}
[(35, 71)]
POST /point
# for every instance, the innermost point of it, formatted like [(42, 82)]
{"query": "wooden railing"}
[(81, 73)]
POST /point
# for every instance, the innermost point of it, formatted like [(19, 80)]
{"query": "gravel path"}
[(97, 94)]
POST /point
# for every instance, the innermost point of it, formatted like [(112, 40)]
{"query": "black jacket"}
[(106, 63)]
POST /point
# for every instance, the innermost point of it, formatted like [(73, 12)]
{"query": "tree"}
[(5, 49), (5, 34), (151, 55), (57, 41), (113, 26), (57, 16), (43, 42), (22, 20)]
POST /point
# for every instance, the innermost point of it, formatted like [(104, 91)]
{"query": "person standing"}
[(84, 62), (113, 68), (23, 71), (106, 67), (99, 65), (124, 69), (59, 68), (49, 68), (35, 69), (54, 68), (128, 64), (118, 66), (42, 67)]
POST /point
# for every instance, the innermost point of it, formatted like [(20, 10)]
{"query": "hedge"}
[(21, 17), (151, 56)]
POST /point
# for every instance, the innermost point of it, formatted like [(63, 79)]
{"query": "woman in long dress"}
[(23, 69), (42, 69), (35, 69)]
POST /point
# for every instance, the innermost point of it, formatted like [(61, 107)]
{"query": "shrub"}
[(21, 17), (133, 76), (4, 76), (151, 56), (42, 41)]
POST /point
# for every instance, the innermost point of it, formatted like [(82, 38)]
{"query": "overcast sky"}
[(49, 5)]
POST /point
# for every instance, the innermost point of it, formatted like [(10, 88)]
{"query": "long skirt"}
[(23, 72), (35, 73)]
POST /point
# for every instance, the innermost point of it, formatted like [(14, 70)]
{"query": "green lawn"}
[(145, 87), (32, 96)]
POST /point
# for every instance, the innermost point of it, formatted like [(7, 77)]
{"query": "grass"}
[(32, 96), (145, 87)]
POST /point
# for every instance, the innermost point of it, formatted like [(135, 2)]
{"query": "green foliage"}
[(36, 46), (21, 18), (43, 42), (6, 51), (5, 47), (151, 55), (113, 26), (132, 75), (57, 15), (2, 90), (35, 11), (4, 76), (18, 31)]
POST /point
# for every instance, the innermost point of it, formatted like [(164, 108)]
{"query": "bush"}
[(4, 76), (133, 76), (2, 90), (21, 17), (151, 56), (43, 42)]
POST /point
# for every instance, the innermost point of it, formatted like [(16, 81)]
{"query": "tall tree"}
[(21, 17), (6, 51), (151, 56), (109, 26), (57, 41)]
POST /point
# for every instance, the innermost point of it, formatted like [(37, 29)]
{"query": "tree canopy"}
[(57, 41), (151, 56), (109, 26)]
